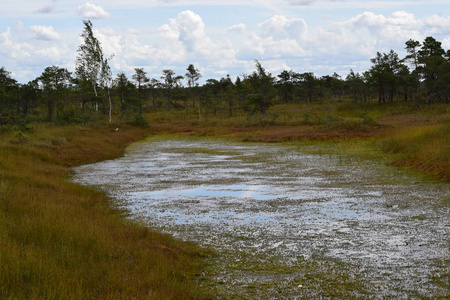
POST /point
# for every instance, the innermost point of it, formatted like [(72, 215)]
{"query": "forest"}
[(93, 93)]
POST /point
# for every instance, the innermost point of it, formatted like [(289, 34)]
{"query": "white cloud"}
[(50, 53), (437, 24), (180, 42), (110, 40), (278, 37), (92, 11), (187, 31), (13, 50), (27, 60), (399, 24), (256, 47), (46, 33), (190, 31), (367, 33), (337, 46), (136, 54), (446, 43), (239, 28), (280, 27)]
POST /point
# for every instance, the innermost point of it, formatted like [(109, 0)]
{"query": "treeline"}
[(92, 92)]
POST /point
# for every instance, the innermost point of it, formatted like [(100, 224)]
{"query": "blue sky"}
[(219, 37)]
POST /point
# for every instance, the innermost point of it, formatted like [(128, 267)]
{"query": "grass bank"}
[(60, 240), (425, 148)]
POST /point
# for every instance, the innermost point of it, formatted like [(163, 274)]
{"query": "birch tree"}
[(92, 66), (106, 82)]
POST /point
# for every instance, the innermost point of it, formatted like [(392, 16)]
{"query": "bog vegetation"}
[(60, 240)]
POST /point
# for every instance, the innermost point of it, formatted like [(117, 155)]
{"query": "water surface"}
[(287, 224)]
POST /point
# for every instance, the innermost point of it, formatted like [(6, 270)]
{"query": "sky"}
[(219, 37)]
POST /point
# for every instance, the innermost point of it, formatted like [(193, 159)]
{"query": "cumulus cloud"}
[(50, 53), (399, 19), (437, 24), (46, 33), (11, 49), (181, 41), (137, 54), (27, 60), (446, 43), (389, 31), (239, 28), (277, 37), (92, 11), (279, 26), (353, 42), (259, 47), (110, 40), (187, 31), (350, 43)]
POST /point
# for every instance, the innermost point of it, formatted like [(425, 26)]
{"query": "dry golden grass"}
[(60, 240), (423, 147)]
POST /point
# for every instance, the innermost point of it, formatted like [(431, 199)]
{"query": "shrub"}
[(139, 120), (261, 119)]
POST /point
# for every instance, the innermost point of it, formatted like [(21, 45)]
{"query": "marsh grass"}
[(401, 134), (60, 240), (425, 147)]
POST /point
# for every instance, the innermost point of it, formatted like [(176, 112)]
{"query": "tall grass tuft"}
[(424, 147)]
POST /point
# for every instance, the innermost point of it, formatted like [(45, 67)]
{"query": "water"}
[(287, 224)]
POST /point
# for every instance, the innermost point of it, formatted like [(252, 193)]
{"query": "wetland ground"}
[(286, 223)]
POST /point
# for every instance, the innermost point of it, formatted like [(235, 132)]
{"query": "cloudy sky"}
[(219, 37)]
